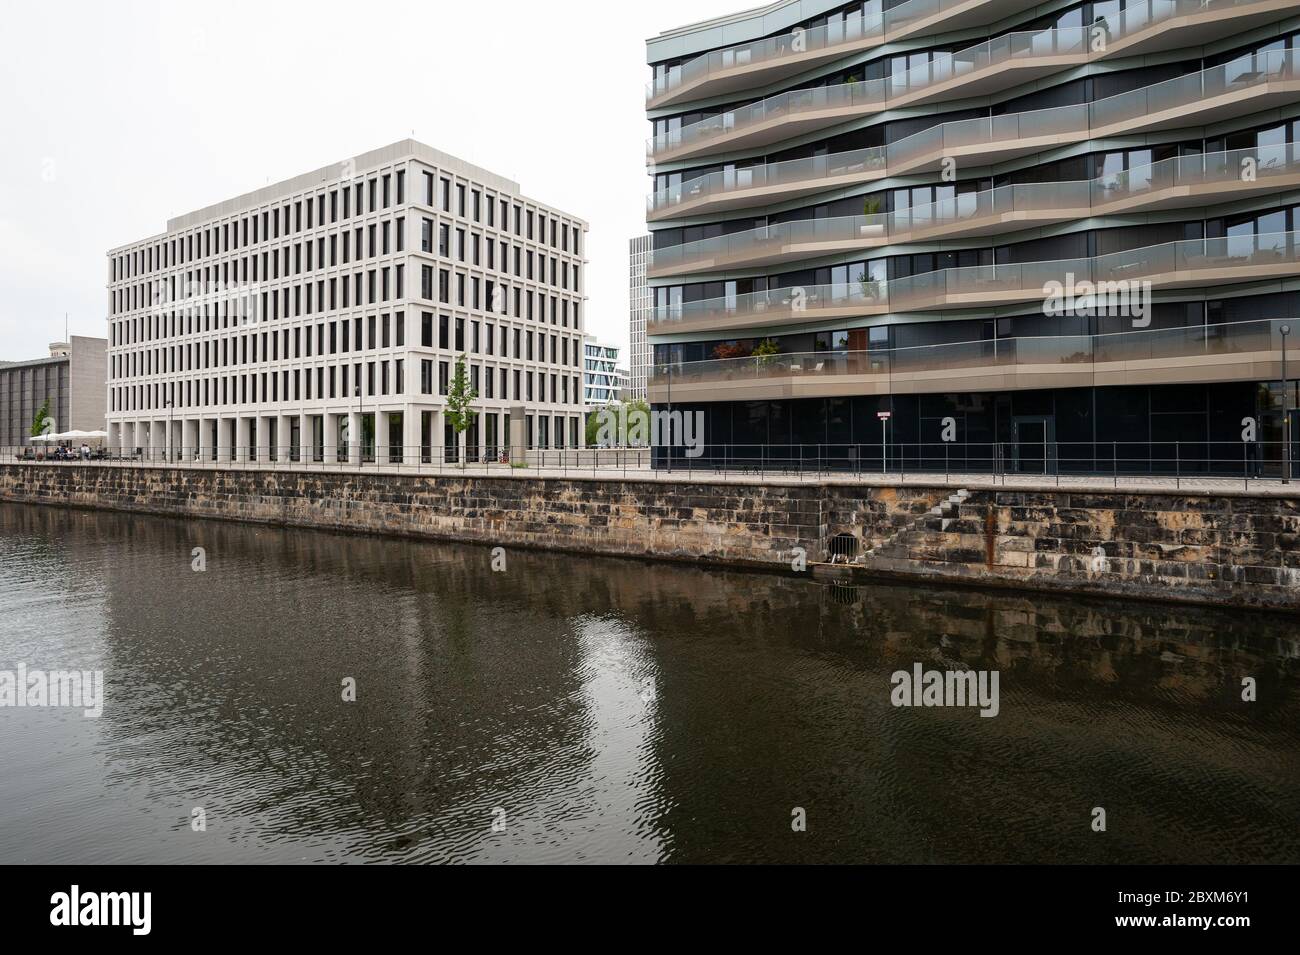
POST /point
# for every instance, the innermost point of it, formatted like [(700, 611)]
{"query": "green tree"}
[(632, 429), (42, 416), (638, 410), (460, 414), (765, 351), (593, 426)]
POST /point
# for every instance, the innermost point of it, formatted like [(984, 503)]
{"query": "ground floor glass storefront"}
[(1147, 429)]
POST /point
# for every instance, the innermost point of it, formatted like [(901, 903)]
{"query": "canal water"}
[(566, 709)]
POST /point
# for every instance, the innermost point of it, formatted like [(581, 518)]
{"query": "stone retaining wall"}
[(1222, 548)]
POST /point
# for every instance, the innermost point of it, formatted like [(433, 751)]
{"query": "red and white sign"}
[(884, 415)]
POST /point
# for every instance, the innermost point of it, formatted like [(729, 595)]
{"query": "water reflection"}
[(610, 710)]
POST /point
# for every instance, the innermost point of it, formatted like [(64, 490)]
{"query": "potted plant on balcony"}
[(872, 289), (765, 352), (871, 207)]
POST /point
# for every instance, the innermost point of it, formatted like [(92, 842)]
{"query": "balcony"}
[(1142, 28), (1170, 183), (1249, 84), (1186, 264), (1243, 351), (994, 138), (775, 58), (775, 307)]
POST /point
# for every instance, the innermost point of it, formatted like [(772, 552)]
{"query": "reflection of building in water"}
[(638, 710)]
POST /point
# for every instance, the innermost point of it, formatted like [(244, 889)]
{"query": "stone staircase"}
[(938, 518)]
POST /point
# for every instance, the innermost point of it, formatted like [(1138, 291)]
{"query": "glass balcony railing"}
[(815, 301), (855, 31), (990, 132), (847, 99), (794, 172), (1175, 264), (1075, 353), (968, 211)]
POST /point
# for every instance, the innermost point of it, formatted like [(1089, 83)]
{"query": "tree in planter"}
[(593, 424), (620, 424), (765, 352), (460, 414), (43, 423)]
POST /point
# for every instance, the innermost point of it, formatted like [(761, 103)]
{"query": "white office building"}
[(640, 306), (281, 324), (603, 380)]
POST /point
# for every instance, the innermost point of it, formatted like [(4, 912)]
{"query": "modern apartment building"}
[(640, 307), (1040, 236), (71, 379), (322, 318), (603, 380)]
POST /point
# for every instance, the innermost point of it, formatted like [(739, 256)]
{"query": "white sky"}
[(116, 116)]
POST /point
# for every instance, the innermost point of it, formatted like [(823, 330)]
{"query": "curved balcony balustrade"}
[(1220, 91), (995, 138), (1185, 264), (1242, 351), (773, 58), (1143, 27), (1169, 183)]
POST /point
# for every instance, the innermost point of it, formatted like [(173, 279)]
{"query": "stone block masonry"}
[(1223, 548), (754, 523)]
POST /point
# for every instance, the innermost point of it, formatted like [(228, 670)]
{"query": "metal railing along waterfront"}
[(1219, 457), (1184, 92), (423, 459), (1185, 263), (1223, 457)]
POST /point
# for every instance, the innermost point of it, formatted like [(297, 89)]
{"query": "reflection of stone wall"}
[(740, 523), (1229, 548), (1226, 548), (520, 690)]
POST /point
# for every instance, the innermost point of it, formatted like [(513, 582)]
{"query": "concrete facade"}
[(72, 378), (640, 307), (284, 323)]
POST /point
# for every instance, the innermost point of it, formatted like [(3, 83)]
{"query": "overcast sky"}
[(117, 116)]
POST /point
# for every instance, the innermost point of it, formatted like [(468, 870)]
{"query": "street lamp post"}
[(361, 448), (167, 445), (670, 414), (1286, 412)]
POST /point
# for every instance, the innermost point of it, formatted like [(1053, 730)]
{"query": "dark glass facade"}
[(739, 259)]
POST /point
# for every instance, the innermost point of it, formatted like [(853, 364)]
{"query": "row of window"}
[(372, 287), (256, 228), (471, 246), (343, 381), (496, 297), (527, 223), (365, 197), (312, 256), (1263, 231), (380, 331), (1208, 313)]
